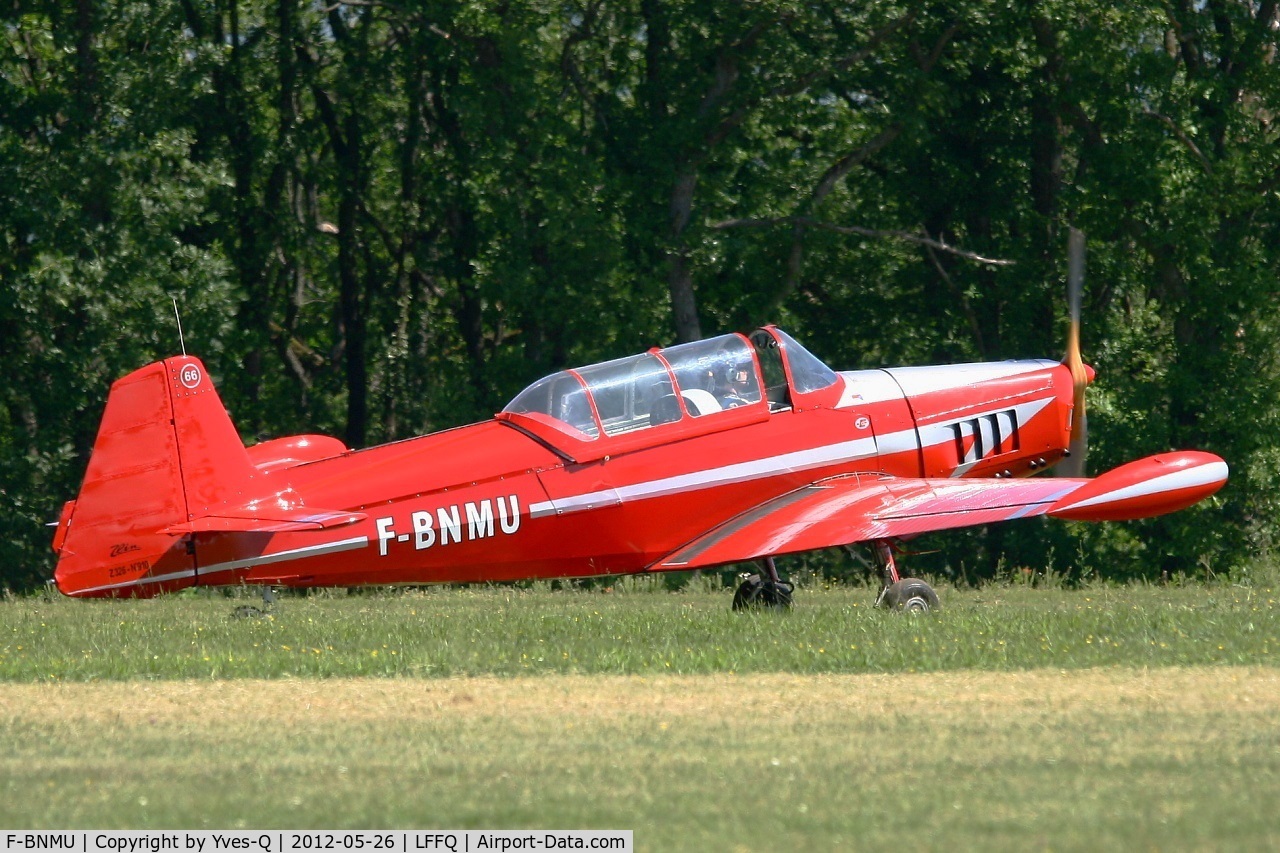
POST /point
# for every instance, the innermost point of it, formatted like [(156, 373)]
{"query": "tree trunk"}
[(684, 303)]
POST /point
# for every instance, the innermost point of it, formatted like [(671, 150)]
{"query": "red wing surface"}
[(857, 508)]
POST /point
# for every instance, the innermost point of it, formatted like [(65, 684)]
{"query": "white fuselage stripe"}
[(800, 460), (931, 435), (931, 379), (907, 440), (172, 576), (287, 556), (282, 557)]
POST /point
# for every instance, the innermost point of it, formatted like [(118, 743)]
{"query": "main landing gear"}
[(769, 592), (899, 593)]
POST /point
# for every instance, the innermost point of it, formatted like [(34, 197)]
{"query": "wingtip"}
[(1155, 485)]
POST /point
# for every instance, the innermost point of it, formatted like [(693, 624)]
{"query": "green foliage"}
[(381, 219)]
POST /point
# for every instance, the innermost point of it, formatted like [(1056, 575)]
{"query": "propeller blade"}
[(1073, 465)]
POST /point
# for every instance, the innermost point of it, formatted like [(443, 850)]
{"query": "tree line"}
[(382, 218)]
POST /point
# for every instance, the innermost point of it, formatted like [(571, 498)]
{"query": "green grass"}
[(1087, 760), (1108, 717), (504, 631)]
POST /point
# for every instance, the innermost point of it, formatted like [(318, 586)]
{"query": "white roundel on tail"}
[(189, 375)]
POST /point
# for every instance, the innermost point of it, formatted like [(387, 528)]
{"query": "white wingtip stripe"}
[(1188, 478)]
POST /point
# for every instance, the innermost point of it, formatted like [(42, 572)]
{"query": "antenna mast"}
[(181, 340)]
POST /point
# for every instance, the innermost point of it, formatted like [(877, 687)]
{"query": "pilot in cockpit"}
[(733, 385)]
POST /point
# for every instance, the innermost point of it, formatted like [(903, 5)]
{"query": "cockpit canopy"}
[(688, 383)]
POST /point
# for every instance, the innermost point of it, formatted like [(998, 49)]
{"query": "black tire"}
[(755, 593), (910, 595)]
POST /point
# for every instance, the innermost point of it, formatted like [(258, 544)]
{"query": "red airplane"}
[(733, 449)]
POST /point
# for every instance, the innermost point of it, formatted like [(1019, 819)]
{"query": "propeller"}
[(1078, 448)]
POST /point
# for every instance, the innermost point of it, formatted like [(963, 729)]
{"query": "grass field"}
[(505, 631), (1095, 759), (1017, 718)]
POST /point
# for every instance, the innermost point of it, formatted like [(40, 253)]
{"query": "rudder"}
[(165, 449)]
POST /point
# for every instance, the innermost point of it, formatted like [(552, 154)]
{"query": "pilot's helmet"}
[(733, 372), (735, 375)]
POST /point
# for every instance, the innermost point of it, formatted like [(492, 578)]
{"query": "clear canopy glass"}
[(692, 380)]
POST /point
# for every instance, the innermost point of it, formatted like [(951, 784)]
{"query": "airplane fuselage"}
[(707, 453), (490, 502)]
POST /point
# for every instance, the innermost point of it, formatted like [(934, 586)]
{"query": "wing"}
[(858, 508)]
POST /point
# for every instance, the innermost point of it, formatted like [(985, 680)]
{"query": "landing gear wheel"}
[(756, 593), (910, 595)]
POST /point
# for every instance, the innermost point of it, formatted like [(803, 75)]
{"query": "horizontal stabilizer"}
[(272, 520)]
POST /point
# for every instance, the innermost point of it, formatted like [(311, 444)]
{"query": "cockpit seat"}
[(700, 402), (665, 410)]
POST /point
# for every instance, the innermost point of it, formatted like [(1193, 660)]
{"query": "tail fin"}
[(166, 449)]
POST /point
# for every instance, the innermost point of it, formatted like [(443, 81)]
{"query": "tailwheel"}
[(911, 595), (248, 611), (767, 592)]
